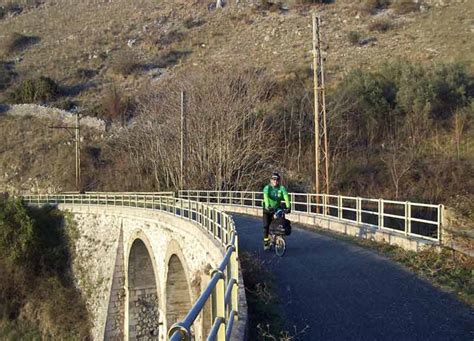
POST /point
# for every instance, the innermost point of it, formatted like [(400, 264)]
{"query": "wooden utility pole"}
[(183, 133), (77, 140), (320, 117)]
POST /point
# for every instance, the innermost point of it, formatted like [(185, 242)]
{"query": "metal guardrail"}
[(412, 219), (223, 285)]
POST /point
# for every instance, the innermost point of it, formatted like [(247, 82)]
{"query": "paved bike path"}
[(344, 292)]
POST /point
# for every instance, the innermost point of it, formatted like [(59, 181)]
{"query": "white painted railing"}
[(223, 285), (411, 219)]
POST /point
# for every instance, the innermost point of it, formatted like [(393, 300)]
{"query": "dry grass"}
[(380, 25), (373, 6), (125, 63), (91, 34), (405, 6), (22, 167)]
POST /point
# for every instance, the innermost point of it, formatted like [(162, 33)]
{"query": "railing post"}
[(241, 198), (292, 203), (358, 210), (253, 199), (380, 213), (440, 222), (224, 228), (218, 304), (234, 267), (308, 204), (325, 205), (153, 202), (407, 218), (339, 207), (210, 220)]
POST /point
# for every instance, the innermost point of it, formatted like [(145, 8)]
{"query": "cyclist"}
[(273, 194)]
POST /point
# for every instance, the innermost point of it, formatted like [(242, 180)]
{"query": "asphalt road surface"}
[(339, 291)]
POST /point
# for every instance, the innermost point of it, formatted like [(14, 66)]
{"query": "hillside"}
[(401, 127), (87, 47)]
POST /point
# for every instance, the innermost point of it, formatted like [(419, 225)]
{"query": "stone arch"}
[(178, 290), (143, 290)]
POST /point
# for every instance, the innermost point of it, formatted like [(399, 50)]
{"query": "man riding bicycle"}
[(273, 194)]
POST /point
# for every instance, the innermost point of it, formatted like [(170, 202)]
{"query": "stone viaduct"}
[(141, 270)]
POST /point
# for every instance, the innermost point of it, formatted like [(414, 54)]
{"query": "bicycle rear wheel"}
[(280, 246)]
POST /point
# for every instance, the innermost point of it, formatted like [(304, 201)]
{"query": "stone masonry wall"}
[(106, 238)]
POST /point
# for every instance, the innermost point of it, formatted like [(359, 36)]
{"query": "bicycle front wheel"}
[(280, 246)]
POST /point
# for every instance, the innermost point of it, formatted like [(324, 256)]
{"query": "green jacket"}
[(272, 197)]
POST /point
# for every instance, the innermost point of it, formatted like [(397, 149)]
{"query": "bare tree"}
[(399, 160), (229, 144)]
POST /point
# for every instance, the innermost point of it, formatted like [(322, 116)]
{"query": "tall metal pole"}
[(183, 127), (323, 98), (316, 105), (78, 154)]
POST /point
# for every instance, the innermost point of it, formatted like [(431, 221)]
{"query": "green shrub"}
[(35, 260), (354, 37), (35, 90), (17, 235), (381, 25), (436, 93)]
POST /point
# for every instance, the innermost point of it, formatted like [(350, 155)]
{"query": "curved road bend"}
[(344, 292)]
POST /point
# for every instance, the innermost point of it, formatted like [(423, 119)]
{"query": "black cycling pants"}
[(267, 219)]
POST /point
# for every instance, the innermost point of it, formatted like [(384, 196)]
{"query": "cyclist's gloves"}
[(287, 210), (271, 210)]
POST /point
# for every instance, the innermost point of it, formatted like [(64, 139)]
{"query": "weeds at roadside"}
[(265, 316)]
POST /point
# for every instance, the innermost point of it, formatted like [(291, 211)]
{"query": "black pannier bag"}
[(280, 226)]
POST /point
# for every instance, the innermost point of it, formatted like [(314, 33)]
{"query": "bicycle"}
[(277, 242), (275, 236)]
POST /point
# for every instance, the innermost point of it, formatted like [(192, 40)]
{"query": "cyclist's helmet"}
[(275, 176)]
